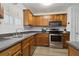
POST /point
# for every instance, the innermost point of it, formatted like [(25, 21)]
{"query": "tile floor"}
[(47, 51)]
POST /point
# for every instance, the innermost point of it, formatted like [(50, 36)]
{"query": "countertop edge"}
[(4, 48), (71, 43)]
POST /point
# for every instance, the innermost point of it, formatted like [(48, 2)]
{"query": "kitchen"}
[(36, 29)]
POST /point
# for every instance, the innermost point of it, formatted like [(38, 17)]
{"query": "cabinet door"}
[(17, 53), (25, 17), (45, 21), (72, 51), (30, 18), (1, 11), (42, 40), (4, 53), (31, 47), (26, 50), (38, 20), (66, 37)]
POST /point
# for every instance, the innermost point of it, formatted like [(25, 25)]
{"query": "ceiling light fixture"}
[(46, 4)]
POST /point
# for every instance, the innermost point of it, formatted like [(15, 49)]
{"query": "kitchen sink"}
[(17, 36), (10, 37)]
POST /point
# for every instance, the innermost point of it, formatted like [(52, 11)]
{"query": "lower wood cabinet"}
[(72, 51), (27, 46), (25, 50), (32, 45), (66, 37), (11, 51), (42, 39), (17, 53)]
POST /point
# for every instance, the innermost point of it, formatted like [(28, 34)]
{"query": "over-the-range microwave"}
[(55, 24)]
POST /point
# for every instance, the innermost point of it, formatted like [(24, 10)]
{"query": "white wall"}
[(13, 18), (73, 19)]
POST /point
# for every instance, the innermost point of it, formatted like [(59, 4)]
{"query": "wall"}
[(73, 20), (13, 18)]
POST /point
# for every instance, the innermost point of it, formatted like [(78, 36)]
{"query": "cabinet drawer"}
[(42, 35)]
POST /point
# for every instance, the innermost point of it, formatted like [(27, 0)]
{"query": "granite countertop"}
[(74, 44), (7, 42)]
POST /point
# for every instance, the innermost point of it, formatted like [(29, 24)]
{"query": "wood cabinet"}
[(72, 51), (32, 44), (37, 21), (27, 16), (25, 50), (11, 51), (43, 20), (59, 17), (27, 46), (66, 37), (1, 11), (42, 39), (17, 53)]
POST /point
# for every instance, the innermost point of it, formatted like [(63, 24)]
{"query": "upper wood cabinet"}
[(32, 20), (1, 11), (45, 20), (40, 21), (27, 17), (59, 17), (37, 21)]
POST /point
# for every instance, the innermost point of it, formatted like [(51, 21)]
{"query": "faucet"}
[(17, 32)]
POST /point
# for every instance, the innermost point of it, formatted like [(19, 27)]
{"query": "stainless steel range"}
[(55, 35), (56, 39)]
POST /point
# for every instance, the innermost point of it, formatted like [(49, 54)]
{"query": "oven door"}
[(56, 37), (56, 40)]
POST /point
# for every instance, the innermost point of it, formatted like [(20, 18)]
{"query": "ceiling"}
[(39, 9)]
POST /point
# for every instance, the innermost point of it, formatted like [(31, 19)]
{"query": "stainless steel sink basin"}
[(17, 36), (10, 37)]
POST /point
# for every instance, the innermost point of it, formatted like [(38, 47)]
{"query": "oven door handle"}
[(55, 34)]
